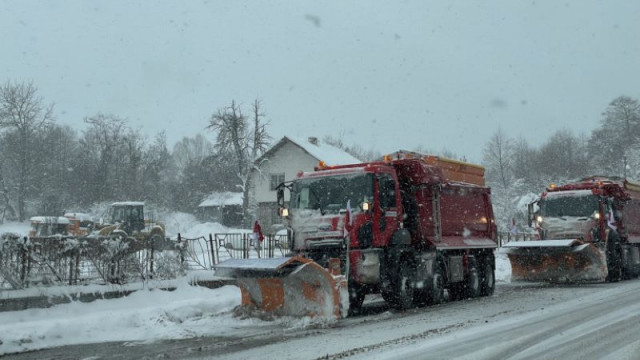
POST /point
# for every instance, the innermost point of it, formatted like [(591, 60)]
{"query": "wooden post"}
[(151, 263)]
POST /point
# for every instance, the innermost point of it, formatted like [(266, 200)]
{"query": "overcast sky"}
[(383, 75)]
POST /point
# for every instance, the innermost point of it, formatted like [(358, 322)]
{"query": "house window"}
[(276, 179)]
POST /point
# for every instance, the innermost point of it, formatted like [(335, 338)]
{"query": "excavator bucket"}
[(293, 286), (556, 261)]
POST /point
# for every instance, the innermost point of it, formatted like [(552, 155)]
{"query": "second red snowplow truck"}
[(589, 230)]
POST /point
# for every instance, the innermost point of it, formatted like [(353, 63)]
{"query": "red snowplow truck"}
[(589, 230), (407, 227)]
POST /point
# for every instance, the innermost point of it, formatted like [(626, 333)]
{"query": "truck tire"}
[(615, 267), (436, 293), (473, 283), (468, 288), (356, 297), (488, 283), (119, 235), (404, 287), (456, 291), (156, 241)]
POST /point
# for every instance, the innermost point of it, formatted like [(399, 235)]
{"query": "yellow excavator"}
[(126, 220)]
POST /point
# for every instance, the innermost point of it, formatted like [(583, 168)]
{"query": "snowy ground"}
[(143, 316)]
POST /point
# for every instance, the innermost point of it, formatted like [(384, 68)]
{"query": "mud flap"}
[(556, 261), (293, 286)]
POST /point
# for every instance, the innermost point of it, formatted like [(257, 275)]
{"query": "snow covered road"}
[(521, 321), (600, 326)]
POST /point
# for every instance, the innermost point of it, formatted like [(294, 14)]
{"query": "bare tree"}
[(261, 138), (235, 137), (22, 110), (191, 151), (7, 209), (563, 156), (616, 143), (98, 164), (354, 150), (498, 158)]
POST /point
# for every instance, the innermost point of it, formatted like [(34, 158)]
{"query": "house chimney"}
[(313, 140)]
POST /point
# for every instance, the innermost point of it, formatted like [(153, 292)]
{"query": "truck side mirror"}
[(531, 212), (280, 195)]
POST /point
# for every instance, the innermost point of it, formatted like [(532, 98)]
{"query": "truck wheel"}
[(488, 283), (156, 241), (356, 297), (456, 291), (119, 235), (473, 283), (404, 287), (614, 266), (436, 293), (421, 294)]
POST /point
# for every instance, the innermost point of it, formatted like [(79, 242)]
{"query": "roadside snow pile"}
[(189, 311), (503, 267), (14, 227), (178, 222), (188, 226)]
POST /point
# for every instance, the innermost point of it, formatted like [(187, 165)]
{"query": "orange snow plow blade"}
[(293, 286), (556, 261)]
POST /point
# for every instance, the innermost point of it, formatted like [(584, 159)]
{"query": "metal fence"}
[(26, 262), (58, 260), (204, 253), (505, 237)]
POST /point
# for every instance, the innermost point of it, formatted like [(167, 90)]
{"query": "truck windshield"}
[(582, 206), (330, 194)]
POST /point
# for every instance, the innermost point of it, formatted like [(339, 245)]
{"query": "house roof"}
[(222, 199), (319, 150)]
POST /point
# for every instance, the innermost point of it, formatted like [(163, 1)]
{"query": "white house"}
[(281, 163)]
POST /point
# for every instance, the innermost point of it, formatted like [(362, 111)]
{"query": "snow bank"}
[(503, 267), (186, 312), (15, 227)]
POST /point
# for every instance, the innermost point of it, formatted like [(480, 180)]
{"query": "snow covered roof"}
[(317, 149), (222, 199), (79, 216), (128, 203), (569, 193), (49, 219)]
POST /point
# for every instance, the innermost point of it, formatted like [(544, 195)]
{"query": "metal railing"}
[(505, 237), (70, 260), (65, 260), (204, 253)]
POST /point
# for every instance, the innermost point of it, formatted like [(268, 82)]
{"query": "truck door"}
[(386, 212)]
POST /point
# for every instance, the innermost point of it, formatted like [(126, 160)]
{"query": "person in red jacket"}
[(257, 237)]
